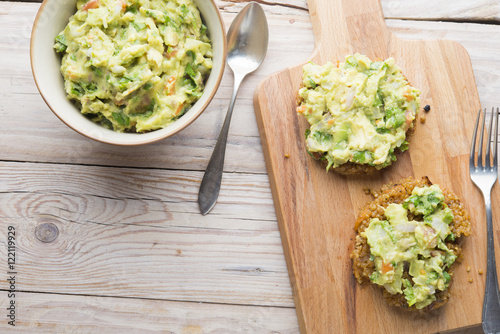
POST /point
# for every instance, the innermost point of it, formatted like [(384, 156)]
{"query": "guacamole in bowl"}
[(135, 65)]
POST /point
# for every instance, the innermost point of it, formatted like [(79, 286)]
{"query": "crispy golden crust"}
[(397, 193)]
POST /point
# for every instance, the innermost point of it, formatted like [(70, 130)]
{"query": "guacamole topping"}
[(417, 244), (359, 111), (134, 65)]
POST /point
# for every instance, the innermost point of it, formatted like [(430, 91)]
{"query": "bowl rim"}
[(135, 142)]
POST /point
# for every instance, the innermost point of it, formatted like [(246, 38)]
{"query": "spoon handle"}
[(210, 185)]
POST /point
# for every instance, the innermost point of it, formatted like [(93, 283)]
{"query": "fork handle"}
[(491, 302)]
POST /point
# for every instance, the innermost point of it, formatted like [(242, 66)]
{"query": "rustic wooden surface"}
[(133, 254)]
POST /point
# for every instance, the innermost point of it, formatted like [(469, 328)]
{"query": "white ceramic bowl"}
[(51, 19)]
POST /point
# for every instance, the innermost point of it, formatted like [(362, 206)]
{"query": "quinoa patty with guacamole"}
[(134, 65), (408, 241), (359, 113)]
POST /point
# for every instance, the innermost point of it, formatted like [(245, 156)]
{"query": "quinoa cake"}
[(408, 241), (360, 113)]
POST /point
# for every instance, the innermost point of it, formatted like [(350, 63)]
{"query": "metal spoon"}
[(247, 38)]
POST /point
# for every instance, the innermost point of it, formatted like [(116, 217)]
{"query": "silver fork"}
[(484, 175)]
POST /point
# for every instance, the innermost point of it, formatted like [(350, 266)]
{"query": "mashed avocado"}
[(359, 111), (417, 244), (134, 65)]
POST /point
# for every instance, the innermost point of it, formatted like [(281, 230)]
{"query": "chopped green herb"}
[(61, 45), (431, 277), (389, 229), (203, 29), (311, 82), (189, 83), (447, 277), (376, 65), (132, 9), (383, 131), (408, 291), (190, 71), (106, 123), (89, 87), (138, 26), (351, 62), (121, 118), (321, 136), (96, 70), (185, 10), (394, 117), (404, 146), (77, 90), (362, 157), (378, 100), (123, 82)]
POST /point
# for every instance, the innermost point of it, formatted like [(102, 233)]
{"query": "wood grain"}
[(316, 210), (138, 233), (51, 313), (461, 10)]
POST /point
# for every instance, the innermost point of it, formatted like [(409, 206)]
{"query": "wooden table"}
[(110, 239)]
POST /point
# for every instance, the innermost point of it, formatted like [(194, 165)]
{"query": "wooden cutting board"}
[(316, 210)]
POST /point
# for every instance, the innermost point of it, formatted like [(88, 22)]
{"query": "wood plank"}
[(50, 313), (461, 10), (487, 11), (127, 232), (316, 211)]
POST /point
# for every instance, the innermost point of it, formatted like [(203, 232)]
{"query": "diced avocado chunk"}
[(425, 200), (395, 117)]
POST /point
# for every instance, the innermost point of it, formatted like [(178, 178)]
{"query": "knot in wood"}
[(46, 232)]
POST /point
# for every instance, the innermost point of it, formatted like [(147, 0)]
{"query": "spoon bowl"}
[(248, 38)]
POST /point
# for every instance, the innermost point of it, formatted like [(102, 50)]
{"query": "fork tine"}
[(487, 160), (473, 144), (480, 153), (495, 142)]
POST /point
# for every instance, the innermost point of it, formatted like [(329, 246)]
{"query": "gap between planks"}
[(146, 298), (44, 313)]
